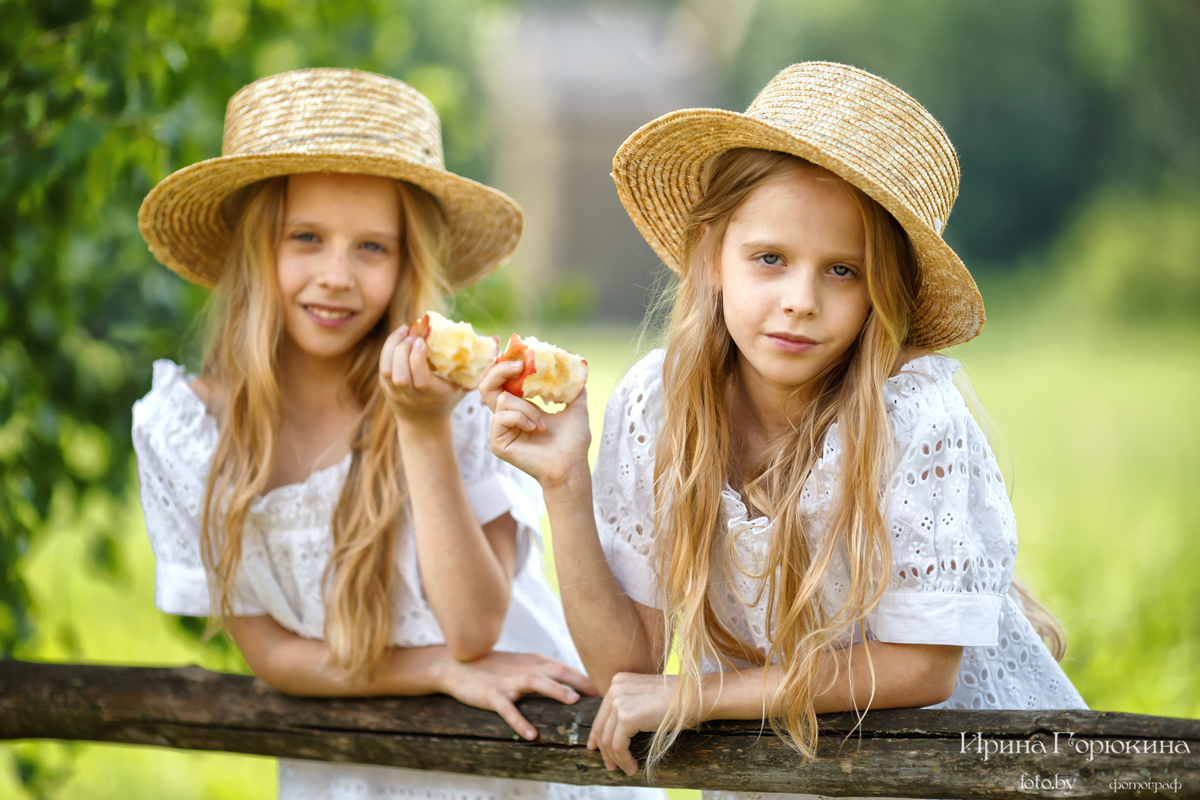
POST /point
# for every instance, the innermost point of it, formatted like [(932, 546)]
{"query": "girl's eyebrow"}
[(303, 223), (767, 245), (381, 235)]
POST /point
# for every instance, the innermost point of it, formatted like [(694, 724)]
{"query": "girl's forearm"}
[(466, 581), (297, 666), (609, 633), (906, 676)]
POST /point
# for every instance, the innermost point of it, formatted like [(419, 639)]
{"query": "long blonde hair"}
[(242, 359), (695, 447)]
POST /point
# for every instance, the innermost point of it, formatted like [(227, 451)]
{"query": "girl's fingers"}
[(400, 358), (596, 737), (619, 744), (543, 685), (575, 679), (418, 365), (389, 350), (508, 418), (495, 375), (593, 741), (505, 708), (600, 724), (606, 738), (510, 402)]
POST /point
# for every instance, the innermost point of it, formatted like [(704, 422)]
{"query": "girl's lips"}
[(790, 345), (328, 317)]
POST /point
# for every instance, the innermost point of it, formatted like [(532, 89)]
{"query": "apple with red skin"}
[(567, 371), (420, 329), (517, 351)]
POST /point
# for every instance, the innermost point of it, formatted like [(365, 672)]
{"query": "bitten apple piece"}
[(551, 373), (454, 350)]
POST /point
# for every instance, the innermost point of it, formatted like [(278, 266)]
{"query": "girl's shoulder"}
[(647, 372), (172, 413), (640, 391), (170, 390), (634, 408), (923, 388)]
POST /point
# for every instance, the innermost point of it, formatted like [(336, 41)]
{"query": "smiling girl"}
[(794, 489), (315, 489)]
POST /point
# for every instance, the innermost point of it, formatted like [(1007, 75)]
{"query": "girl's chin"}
[(782, 376), (322, 345)]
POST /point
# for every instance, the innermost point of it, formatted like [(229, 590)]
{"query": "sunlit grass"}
[(1101, 427), (1103, 443), (87, 617)]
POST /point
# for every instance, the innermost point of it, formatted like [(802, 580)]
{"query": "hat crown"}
[(872, 128), (333, 112)]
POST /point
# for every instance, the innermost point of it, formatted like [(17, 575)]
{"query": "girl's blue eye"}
[(770, 259), (305, 237), (842, 271), (374, 247)]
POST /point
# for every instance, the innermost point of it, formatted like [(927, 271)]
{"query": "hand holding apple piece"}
[(552, 447), (551, 373), (454, 350)]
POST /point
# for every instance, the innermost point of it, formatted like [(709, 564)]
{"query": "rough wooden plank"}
[(898, 753)]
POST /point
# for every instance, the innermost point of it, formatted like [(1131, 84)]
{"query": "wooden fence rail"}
[(897, 753)]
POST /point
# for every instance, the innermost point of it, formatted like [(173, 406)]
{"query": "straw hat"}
[(852, 123), (324, 120)]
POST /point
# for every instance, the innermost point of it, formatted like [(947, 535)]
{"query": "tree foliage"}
[(99, 101), (1046, 103)]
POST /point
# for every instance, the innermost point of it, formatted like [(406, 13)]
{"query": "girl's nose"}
[(335, 272), (802, 294)]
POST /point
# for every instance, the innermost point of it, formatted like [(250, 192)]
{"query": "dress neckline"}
[(210, 425), (739, 510)]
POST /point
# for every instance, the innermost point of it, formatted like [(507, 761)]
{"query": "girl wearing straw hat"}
[(793, 489), (315, 489)]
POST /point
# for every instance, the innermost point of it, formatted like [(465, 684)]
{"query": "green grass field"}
[(1102, 444)]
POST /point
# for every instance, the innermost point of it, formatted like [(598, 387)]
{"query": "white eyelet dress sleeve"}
[(953, 536), (623, 480), (173, 438), (954, 551)]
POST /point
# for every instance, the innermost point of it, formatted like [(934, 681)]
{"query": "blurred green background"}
[(1078, 127)]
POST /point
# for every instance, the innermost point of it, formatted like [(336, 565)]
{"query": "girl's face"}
[(791, 276), (338, 259)]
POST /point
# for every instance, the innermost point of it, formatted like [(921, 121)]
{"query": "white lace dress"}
[(954, 541), (287, 543)]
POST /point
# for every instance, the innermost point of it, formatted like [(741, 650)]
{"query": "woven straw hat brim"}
[(183, 222), (658, 175)]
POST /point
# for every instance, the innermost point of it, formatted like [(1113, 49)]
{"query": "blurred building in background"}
[(566, 86)]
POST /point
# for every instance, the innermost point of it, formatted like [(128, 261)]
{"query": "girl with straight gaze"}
[(794, 489)]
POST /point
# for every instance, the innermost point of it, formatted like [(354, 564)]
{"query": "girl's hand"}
[(550, 447), (491, 382), (497, 680), (412, 390), (634, 703)]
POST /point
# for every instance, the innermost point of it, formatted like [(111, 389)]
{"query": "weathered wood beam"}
[(895, 753)]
